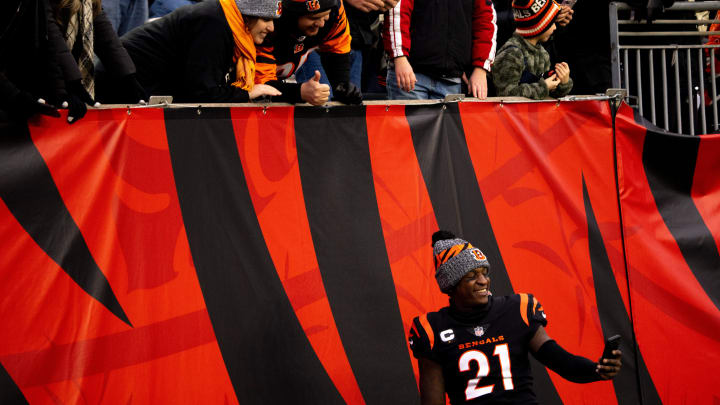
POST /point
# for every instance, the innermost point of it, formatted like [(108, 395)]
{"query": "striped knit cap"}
[(455, 257), (303, 7), (260, 8), (533, 17)]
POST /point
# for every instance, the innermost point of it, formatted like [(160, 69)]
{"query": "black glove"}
[(131, 91), (24, 105), (347, 93), (77, 99)]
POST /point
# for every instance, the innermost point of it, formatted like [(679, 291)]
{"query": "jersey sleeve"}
[(532, 312), (338, 38), (396, 35), (484, 29), (420, 339)]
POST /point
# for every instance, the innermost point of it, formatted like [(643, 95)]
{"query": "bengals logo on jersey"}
[(278, 11), (312, 5)]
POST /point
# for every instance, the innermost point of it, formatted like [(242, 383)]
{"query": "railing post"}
[(614, 46)]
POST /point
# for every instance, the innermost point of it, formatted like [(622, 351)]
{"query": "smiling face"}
[(260, 28), (472, 290), (310, 24)]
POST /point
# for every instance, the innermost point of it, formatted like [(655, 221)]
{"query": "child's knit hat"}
[(533, 17)]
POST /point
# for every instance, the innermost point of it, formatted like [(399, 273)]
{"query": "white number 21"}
[(472, 390)]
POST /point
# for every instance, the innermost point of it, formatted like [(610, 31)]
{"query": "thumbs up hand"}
[(314, 92)]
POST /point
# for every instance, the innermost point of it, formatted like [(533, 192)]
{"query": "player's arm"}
[(573, 368), (432, 384)]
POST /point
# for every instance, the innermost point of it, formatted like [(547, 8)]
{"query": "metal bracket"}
[(160, 100), (453, 98), (617, 95)]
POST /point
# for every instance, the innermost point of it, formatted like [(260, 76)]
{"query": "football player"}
[(476, 349)]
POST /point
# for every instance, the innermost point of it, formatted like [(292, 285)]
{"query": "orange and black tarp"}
[(244, 255)]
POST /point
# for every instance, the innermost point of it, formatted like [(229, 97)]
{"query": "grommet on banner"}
[(264, 110), (387, 108), (128, 110), (327, 110), (198, 110), (444, 107)]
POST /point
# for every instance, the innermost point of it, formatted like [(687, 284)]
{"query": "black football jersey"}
[(485, 361), (282, 53)]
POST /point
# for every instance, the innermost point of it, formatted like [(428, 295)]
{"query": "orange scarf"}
[(244, 53)]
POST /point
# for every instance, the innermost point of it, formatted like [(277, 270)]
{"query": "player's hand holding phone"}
[(610, 363)]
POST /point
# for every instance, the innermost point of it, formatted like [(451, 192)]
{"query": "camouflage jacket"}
[(516, 56)]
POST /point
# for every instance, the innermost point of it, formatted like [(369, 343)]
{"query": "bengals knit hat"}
[(303, 7), (533, 17), (454, 257), (260, 8)]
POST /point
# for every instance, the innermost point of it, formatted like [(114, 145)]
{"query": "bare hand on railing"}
[(552, 82), (314, 92), (562, 71), (564, 16), (405, 75), (367, 5), (260, 90), (477, 85)]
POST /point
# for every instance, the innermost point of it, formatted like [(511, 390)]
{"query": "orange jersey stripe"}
[(338, 39), (428, 330), (523, 308)]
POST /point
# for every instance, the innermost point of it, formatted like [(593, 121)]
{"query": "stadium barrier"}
[(277, 254)]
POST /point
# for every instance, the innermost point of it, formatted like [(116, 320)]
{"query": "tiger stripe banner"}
[(250, 255)]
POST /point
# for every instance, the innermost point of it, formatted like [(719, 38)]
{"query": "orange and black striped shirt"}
[(285, 51)]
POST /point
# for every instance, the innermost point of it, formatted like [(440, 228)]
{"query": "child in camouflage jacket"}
[(522, 66)]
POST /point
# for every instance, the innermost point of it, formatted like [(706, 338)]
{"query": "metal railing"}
[(673, 97)]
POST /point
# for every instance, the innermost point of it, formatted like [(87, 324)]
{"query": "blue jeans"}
[(125, 15), (307, 70), (313, 63), (356, 67), (426, 88), (162, 7)]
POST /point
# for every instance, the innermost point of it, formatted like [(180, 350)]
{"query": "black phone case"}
[(612, 343)]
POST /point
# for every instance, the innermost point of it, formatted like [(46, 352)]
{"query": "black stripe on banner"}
[(337, 182), (614, 319), (31, 195), (267, 354), (10, 394), (669, 162), (447, 168)]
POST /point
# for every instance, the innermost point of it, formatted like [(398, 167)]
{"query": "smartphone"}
[(611, 343), (569, 3)]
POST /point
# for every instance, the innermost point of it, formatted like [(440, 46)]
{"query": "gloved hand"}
[(77, 101), (131, 91), (347, 93), (24, 105)]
